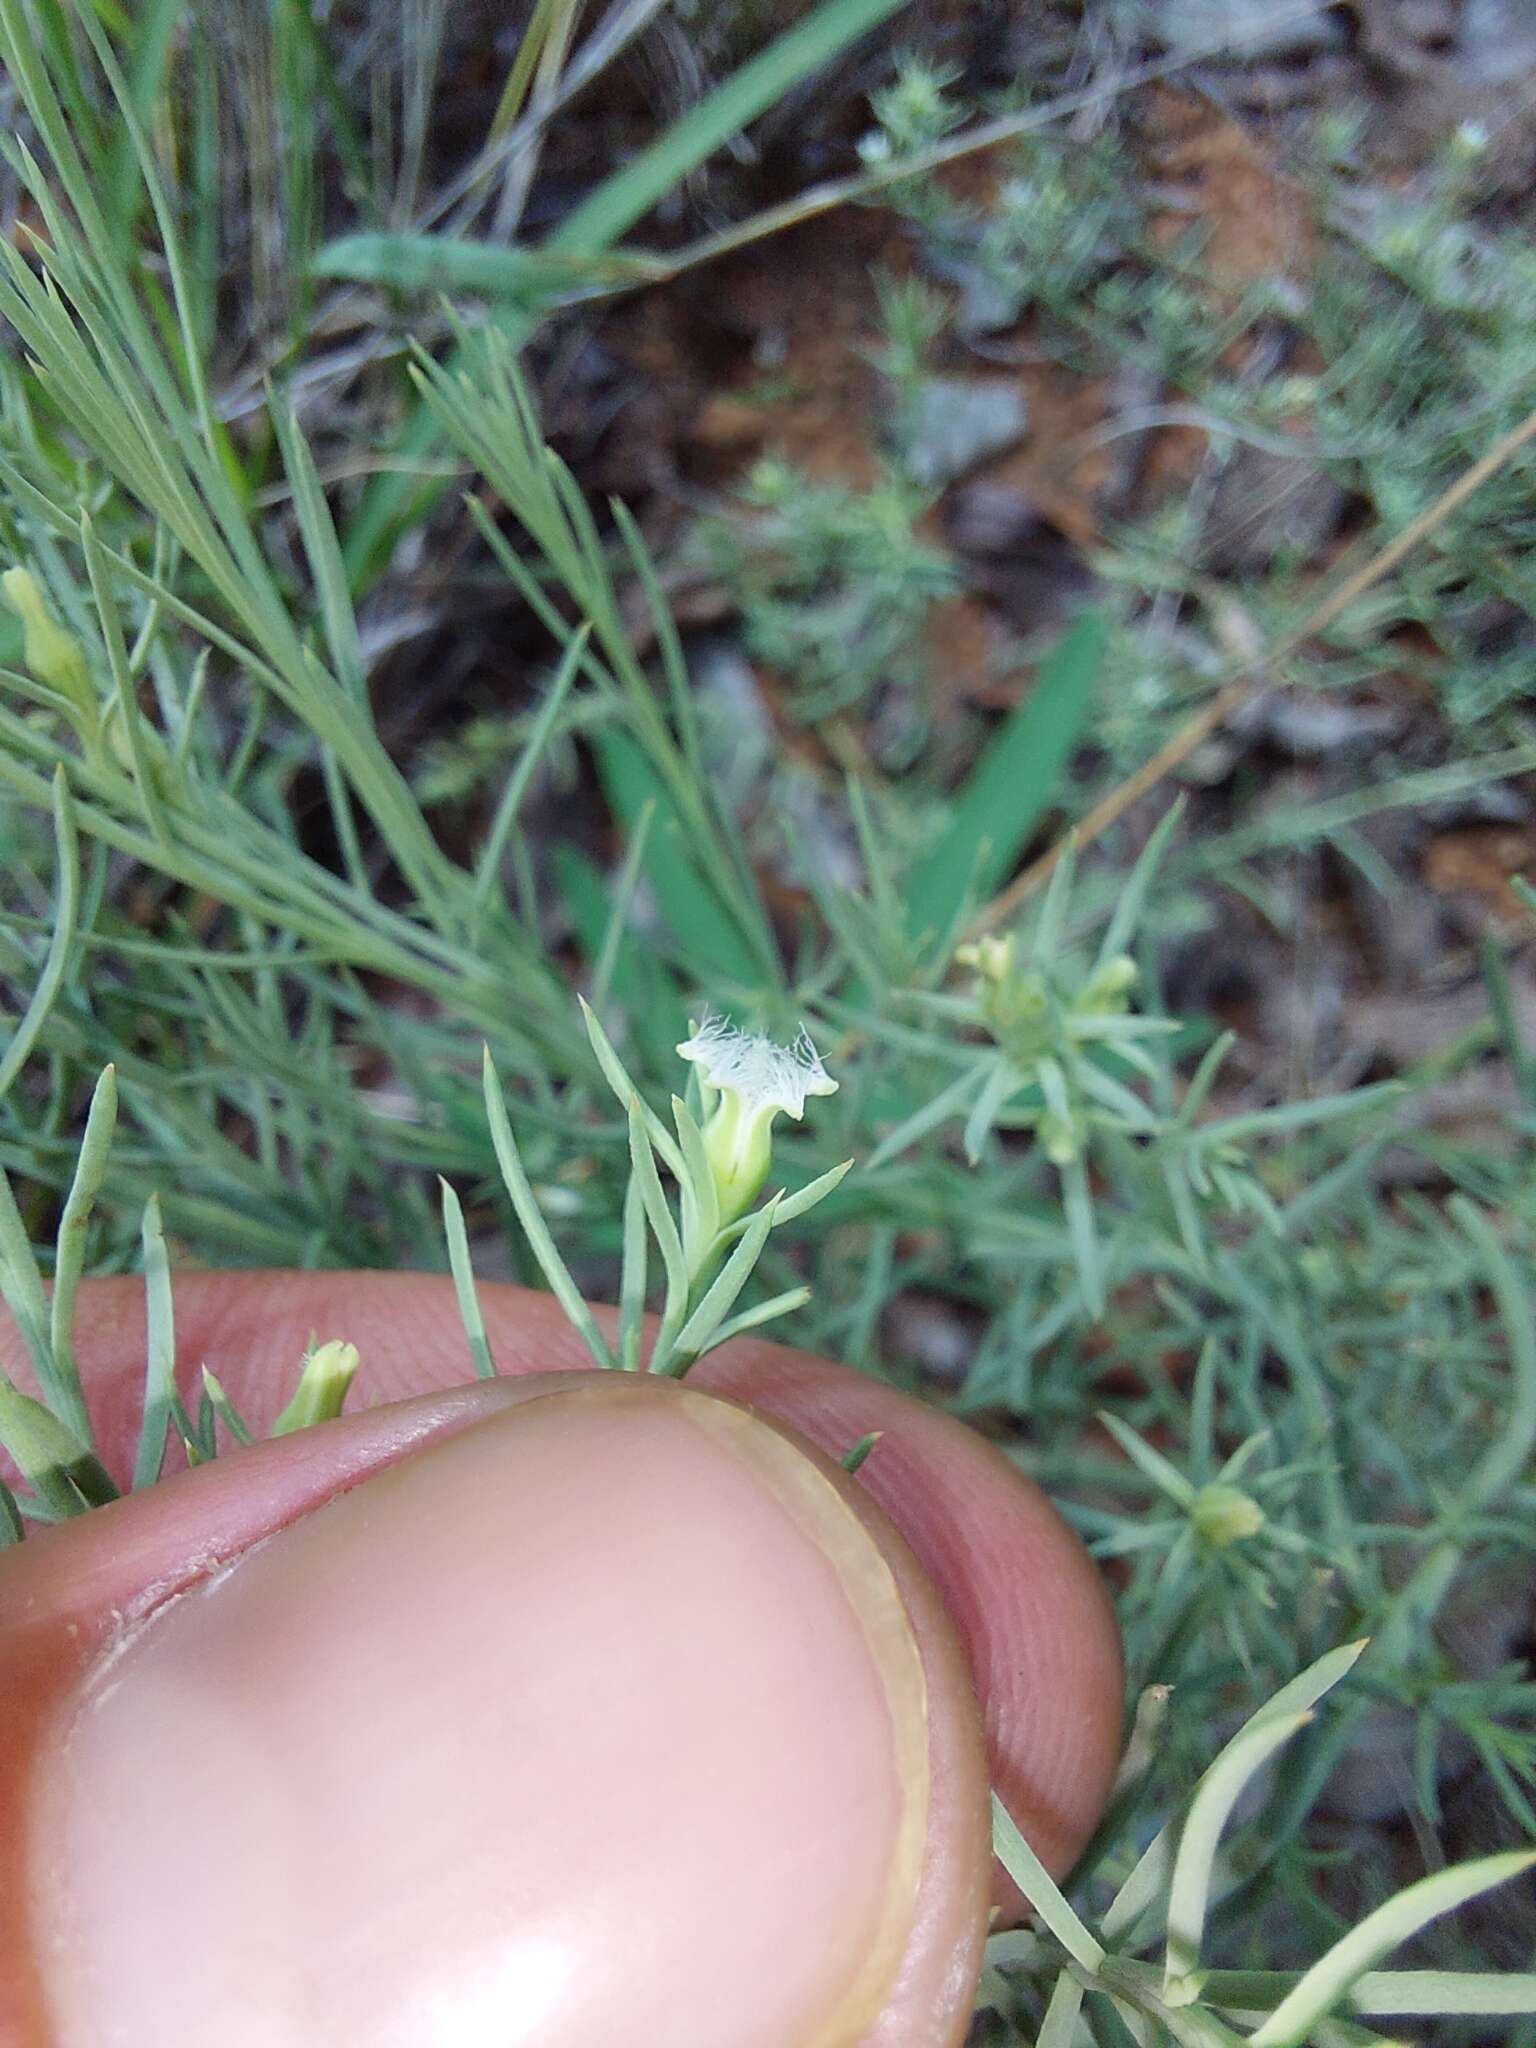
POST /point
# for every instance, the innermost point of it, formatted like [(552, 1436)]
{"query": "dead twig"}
[(1231, 694)]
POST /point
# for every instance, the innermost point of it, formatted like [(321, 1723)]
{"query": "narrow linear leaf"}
[(768, 1311), (658, 1214), (1058, 2029), (1154, 1868), (759, 84), (507, 810), (641, 985), (1148, 1879), (859, 1455), (65, 920), (1511, 1452), (1328, 1981), (69, 1253), (1013, 783), (535, 1229), (464, 1288), (226, 1410), (806, 1198), (1304, 1691), (21, 1286), (1167, 1478), (1195, 1859), (1041, 1889), (1077, 1199), (337, 618), (428, 263), (155, 24), (65, 1475), (706, 931), (1384, 1994), (1003, 1082), (937, 1110), (160, 1351), (634, 1278), (629, 1097), (621, 907), (1301, 1116), (701, 1198), (140, 745), (720, 1298), (1128, 905)]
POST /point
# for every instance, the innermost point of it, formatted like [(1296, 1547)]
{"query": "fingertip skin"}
[(1018, 1585), (932, 2001), (70, 1591), (70, 1595), (1020, 1589)]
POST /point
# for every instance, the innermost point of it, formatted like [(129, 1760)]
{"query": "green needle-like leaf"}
[(1326, 1984), (464, 1287), (160, 1351), (535, 1229)]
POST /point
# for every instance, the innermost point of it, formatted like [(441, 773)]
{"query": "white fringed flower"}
[(752, 1079)]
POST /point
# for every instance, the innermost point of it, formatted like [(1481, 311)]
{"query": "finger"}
[(1028, 1604), (372, 1774)]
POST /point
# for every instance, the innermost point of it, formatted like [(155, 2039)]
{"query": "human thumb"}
[(593, 1709)]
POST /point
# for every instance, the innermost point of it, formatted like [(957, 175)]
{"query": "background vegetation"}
[(972, 424)]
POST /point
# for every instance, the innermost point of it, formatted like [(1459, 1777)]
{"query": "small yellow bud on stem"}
[(54, 656), (327, 1374)]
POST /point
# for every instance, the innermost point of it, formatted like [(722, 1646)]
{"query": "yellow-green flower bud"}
[(1059, 1141), (992, 957), (1111, 985), (51, 654), (1225, 1515), (325, 1377), (751, 1079)]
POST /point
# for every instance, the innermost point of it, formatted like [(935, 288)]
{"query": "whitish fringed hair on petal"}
[(760, 1073)]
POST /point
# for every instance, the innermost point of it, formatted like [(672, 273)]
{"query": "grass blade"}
[(753, 1318), (160, 1351), (629, 1096), (1510, 1453), (66, 917), (1384, 1994), (69, 1255), (535, 1229), (654, 1201), (488, 865), (1194, 1862), (140, 746), (1058, 2029), (522, 277), (788, 1207), (697, 1333), (937, 1110), (701, 923), (1012, 784), (464, 1283), (21, 1287), (634, 1278), (1328, 1981), (226, 1410), (1041, 1889)]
